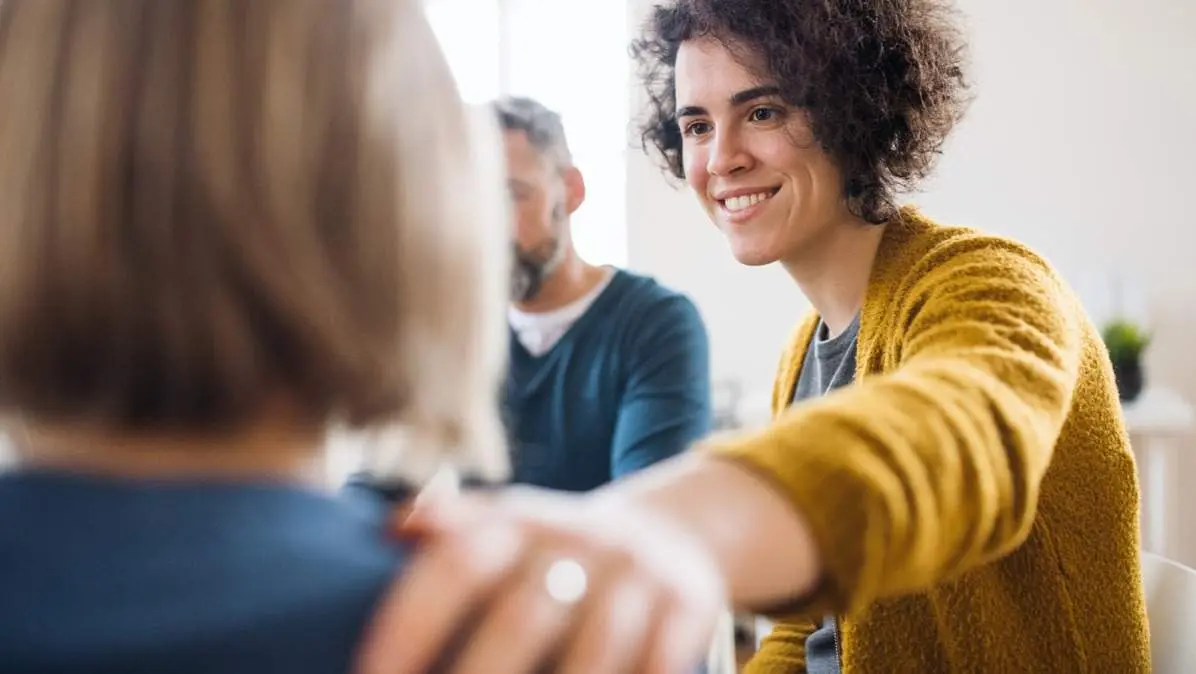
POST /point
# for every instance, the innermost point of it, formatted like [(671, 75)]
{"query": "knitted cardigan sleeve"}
[(916, 475)]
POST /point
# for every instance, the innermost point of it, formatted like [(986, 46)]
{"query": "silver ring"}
[(566, 581)]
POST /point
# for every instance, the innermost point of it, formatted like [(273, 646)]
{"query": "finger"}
[(447, 577), (681, 639), (522, 625), (610, 637)]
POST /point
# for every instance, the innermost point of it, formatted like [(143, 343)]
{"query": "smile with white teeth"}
[(746, 201)]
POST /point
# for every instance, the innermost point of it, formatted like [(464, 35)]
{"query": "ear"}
[(575, 189)]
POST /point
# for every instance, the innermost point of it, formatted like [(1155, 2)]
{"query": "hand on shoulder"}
[(518, 579)]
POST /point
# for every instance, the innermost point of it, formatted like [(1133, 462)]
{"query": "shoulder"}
[(920, 259), (937, 284), (646, 304), (289, 563), (319, 570), (647, 323), (940, 281), (936, 249)]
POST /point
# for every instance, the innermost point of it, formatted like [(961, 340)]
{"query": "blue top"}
[(628, 385), (104, 575)]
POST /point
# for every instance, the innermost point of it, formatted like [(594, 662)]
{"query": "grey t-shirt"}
[(829, 364)]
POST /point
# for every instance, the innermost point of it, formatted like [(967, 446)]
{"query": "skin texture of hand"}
[(760, 542), (475, 590)]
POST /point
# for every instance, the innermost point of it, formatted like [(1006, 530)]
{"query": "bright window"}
[(469, 34), (571, 56)]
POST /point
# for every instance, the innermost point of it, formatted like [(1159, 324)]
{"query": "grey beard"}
[(529, 269), (526, 279)]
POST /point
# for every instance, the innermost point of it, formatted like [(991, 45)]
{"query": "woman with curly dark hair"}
[(947, 484)]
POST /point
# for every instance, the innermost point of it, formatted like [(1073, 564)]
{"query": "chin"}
[(753, 256)]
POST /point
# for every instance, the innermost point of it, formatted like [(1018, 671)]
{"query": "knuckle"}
[(525, 602), (524, 611), (618, 559), (672, 598), (491, 549), (461, 559)]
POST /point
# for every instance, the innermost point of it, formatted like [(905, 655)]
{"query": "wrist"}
[(758, 540)]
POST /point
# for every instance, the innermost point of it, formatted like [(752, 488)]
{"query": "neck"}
[(570, 281), (834, 272), (269, 452)]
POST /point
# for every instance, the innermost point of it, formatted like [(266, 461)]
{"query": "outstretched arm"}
[(903, 479)]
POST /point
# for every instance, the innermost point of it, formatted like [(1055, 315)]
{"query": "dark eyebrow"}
[(748, 95), (737, 99)]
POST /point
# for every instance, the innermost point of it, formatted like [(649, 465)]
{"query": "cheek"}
[(696, 177), (525, 221), (533, 218), (825, 182), (806, 169)]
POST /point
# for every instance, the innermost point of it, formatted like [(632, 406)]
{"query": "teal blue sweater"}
[(627, 386)]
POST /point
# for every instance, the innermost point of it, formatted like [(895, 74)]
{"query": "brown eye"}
[(763, 115), (696, 129)]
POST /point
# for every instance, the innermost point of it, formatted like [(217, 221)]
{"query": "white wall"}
[(1080, 142)]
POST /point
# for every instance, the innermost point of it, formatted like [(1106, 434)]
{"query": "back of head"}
[(212, 207)]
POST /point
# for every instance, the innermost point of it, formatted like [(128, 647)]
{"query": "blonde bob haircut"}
[(210, 205)]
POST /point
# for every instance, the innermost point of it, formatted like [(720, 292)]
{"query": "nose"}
[(527, 231), (727, 155)]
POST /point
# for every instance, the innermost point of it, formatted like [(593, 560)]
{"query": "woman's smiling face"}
[(751, 158)]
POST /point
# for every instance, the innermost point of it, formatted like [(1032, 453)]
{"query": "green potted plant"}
[(1126, 342)]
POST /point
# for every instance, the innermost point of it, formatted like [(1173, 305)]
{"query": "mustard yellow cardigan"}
[(972, 494)]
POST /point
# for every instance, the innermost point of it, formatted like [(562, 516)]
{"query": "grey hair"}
[(541, 125)]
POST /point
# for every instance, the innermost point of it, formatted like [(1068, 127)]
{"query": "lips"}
[(746, 201), (742, 205)]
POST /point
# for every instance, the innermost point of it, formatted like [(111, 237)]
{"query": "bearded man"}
[(609, 370)]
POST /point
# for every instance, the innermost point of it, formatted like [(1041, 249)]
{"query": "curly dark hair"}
[(881, 80)]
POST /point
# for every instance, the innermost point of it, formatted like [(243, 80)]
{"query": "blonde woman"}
[(227, 226)]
